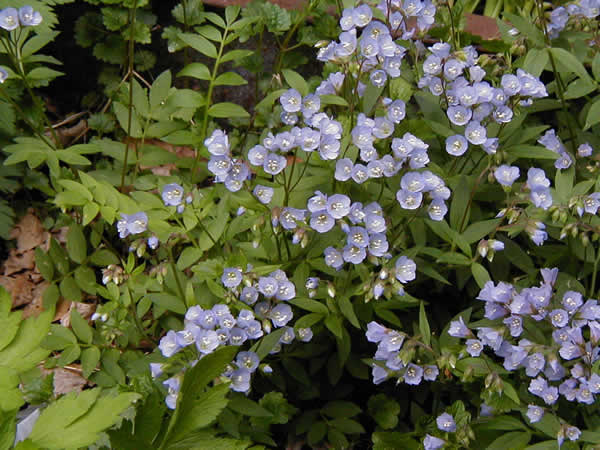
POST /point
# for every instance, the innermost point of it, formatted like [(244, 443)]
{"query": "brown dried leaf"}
[(29, 232), (18, 262)]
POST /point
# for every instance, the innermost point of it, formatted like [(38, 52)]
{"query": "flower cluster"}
[(552, 142), (561, 366), (273, 290), (11, 18), (132, 224), (396, 361), (559, 17), (206, 330), (228, 170), (412, 187), (470, 101)]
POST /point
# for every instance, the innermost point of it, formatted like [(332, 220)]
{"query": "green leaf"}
[(479, 230), (160, 89), (76, 243), (103, 257), (394, 439), (44, 264), (71, 157), (12, 397), (531, 152), (236, 55), (459, 213), (317, 432), (579, 88), (231, 13), (384, 410), (203, 412), (196, 70), (81, 328), (76, 420), (334, 324), (227, 110), (340, 409), (515, 439), (347, 310), (200, 44), (243, 405), (563, 182), (329, 99), (194, 382), (188, 256), (454, 258), (296, 81), (309, 305), (593, 115), (230, 79), (69, 289), (210, 32), (527, 28), (90, 357), (480, 274), (347, 426), (596, 66), (568, 62), (168, 301), (85, 278), (9, 322), (43, 74), (268, 343), (24, 351), (424, 325), (90, 211), (122, 113), (535, 61)]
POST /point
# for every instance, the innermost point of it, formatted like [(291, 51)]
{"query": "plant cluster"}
[(397, 181)]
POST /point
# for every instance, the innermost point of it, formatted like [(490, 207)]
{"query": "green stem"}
[(209, 94), (174, 269)]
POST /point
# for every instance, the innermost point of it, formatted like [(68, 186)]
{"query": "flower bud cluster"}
[(560, 365), (559, 17), (394, 361)]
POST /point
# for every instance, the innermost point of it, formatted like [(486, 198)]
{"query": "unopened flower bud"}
[(330, 290)]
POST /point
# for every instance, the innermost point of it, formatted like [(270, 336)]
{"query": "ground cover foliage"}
[(354, 225)]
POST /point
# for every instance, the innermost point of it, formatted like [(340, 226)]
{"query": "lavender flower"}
[(506, 175), (172, 194), (28, 17), (445, 422), (132, 224), (291, 101), (433, 443), (9, 19), (405, 269), (535, 413)]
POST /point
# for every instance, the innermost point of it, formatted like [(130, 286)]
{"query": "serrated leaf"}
[(194, 382), (87, 415), (24, 351), (203, 412), (9, 322), (209, 32), (230, 79), (384, 410), (122, 113)]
